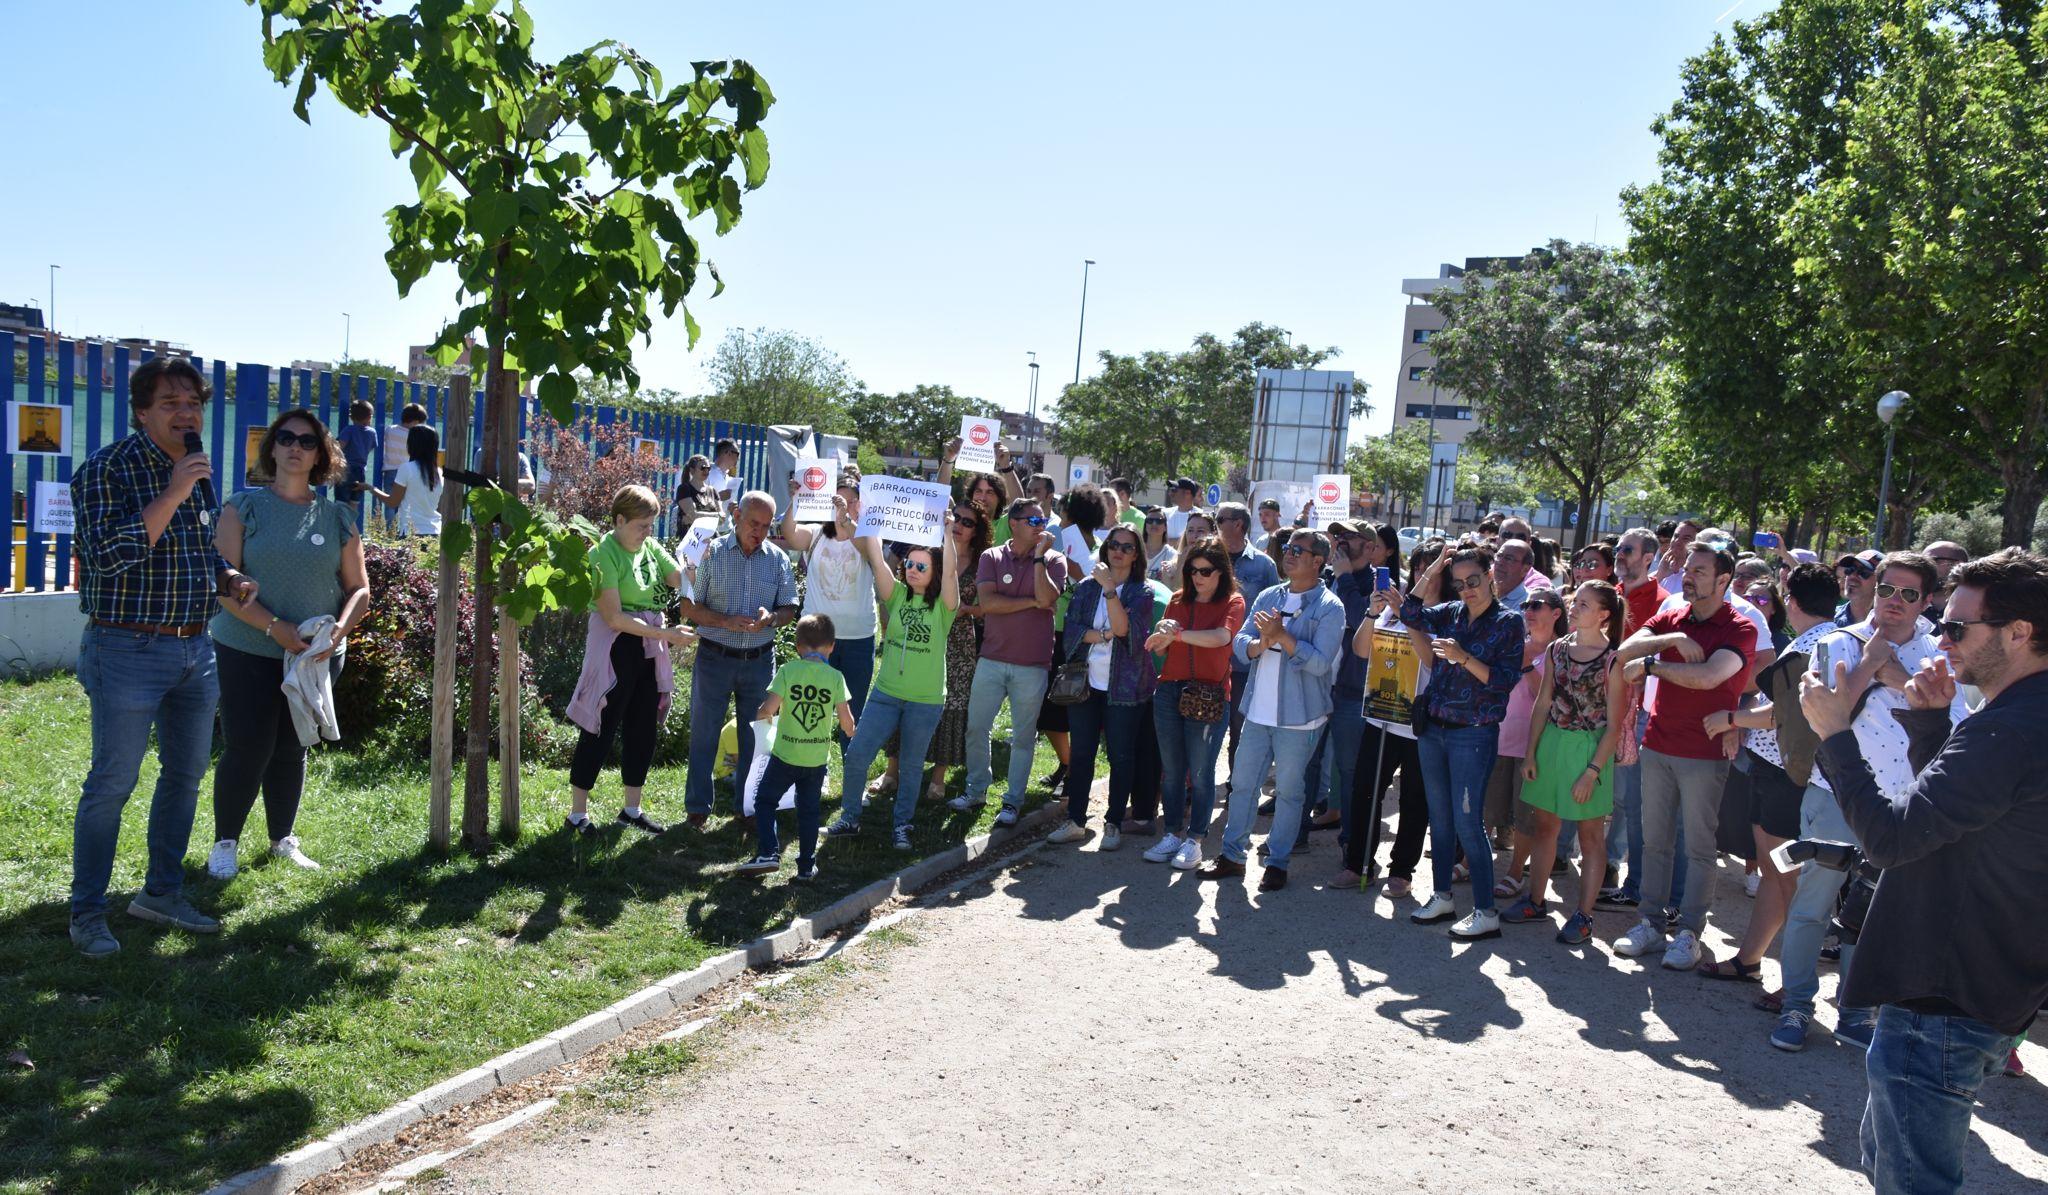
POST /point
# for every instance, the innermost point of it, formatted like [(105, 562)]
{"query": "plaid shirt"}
[(125, 577), (731, 582), (1454, 696)]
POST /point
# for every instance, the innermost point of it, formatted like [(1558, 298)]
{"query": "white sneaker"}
[(964, 804), (1166, 848), (220, 861), (1437, 908), (1479, 923), (1749, 886), (1189, 856), (1112, 838), (287, 848), (1684, 952), (1006, 816), (1639, 940), (1068, 832)]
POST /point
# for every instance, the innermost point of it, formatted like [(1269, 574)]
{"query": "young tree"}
[(560, 192), (1396, 464), (1561, 354)]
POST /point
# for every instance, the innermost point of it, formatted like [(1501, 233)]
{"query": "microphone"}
[(205, 484)]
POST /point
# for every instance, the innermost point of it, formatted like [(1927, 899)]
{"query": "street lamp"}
[(1031, 417), (1085, 264), (1888, 408), (347, 327)]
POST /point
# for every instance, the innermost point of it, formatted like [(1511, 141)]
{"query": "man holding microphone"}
[(149, 581)]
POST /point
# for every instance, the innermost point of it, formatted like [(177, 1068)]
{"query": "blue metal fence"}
[(96, 406)]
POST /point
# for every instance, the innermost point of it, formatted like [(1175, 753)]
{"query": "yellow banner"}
[(1390, 688)]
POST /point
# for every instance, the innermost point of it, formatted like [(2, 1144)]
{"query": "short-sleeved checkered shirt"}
[(729, 581), (125, 578)]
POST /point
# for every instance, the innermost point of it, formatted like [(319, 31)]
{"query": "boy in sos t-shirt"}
[(804, 698)]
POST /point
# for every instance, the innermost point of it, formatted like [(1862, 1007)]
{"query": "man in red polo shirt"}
[(1700, 655), (1635, 566)]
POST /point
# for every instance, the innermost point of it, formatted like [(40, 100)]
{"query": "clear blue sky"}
[(940, 171)]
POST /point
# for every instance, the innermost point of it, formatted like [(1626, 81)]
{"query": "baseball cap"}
[(1805, 556), (1269, 504), (1347, 527), (1188, 484)]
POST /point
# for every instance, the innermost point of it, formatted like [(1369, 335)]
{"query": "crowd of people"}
[(1599, 727)]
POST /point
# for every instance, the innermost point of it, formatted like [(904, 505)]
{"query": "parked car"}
[(1412, 537)]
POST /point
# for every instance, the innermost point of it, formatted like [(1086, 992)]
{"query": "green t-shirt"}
[(1133, 518), (638, 576), (811, 693), (912, 666), (999, 534)]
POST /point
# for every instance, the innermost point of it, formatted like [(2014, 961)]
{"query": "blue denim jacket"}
[(1133, 674), (1305, 676)]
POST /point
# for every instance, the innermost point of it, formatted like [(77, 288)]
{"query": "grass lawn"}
[(330, 995)]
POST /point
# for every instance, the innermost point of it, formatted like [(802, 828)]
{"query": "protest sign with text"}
[(813, 490), (1332, 498), (697, 539), (978, 444), (905, 511), (51, 512)]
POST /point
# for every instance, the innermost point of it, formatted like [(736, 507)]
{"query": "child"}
[(358, 445), (806, 692), (395, 439)]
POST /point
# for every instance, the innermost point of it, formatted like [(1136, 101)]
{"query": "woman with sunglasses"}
[(1595, 562), (1508, 819), (1574, 733), (1111, 616), (1193, 639), (918, 616), (1161, 557), (306, 556), (969, 538)]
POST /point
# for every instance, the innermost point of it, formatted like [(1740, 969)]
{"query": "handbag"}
[(1201, 700), (1070, 680)]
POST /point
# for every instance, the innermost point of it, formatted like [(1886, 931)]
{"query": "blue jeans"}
[(1625, 828), (1187, 762), (855, 660), (1024, 686), (1924, 1072), (1341, 737), (718, 682), (777, 778), (1813, 905), (886, 715), (1099, 722), (1287, 752), (1456, 760), (136, 681)]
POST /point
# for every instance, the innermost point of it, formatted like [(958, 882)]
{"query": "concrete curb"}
[(573, 1041)]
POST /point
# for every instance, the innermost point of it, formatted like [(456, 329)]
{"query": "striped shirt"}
[(729, 581), (125, 578)]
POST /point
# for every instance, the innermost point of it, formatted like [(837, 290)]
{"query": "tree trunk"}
[(507, 473), (476, 789), (1585, 519), (446, 629), (2023, 492)]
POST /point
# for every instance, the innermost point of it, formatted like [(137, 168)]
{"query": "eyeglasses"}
[(1854, 566), (1202, 570), (1031, 520), (1117, 545), (1589, 564), (916, 566), (1543, 605), (1905, 593), (1953, 629), (1295, 550), (1468, 584), (1154, 521), (310, 441)]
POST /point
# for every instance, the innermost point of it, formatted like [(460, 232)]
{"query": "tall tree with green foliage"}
[(1561, 355), (561, 194), (768, 375), (1396, 464), (1929, 247)]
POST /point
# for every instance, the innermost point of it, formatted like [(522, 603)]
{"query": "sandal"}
[(1732, 969), (1397, 887), (887, 783), (1770, 1002), (1506, 889), (1460, 873)]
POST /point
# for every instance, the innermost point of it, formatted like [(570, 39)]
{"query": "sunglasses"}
[(1202, 570), (1117, 545), (1557, 606), (1154, 521), (1296, 550), (1589, 565), (1850, 566), (916, 566), (1625, 550), (1030, 520), (1905, 593), (310, 441), (1759, 599), (1950, 559), (1468, 584), (1953, 629)]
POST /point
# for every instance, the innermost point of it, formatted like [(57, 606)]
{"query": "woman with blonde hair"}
[(628, 676)]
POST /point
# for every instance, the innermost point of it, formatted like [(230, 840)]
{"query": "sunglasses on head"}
[(306, 440), (1202, 570), (1905, 593), (1953, 629)]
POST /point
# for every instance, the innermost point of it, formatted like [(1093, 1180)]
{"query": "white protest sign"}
[(698, 538), (978, 444), (904, 511), (52, 512), (813, 490), (1332, 498)]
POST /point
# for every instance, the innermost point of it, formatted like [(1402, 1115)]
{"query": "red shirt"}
[(1641, 602), (1202, 663), (1675, 722)]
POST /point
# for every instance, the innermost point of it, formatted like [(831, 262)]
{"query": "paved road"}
[(1090, 1021)]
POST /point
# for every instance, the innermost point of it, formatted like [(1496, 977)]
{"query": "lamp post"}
[(1402, 376), (347, 328), (53, 301), (1888, 408), (1031, 417), (1085, 264)]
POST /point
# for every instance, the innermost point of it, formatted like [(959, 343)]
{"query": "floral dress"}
[(963, 648)]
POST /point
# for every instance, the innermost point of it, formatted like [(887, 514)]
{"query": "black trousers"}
[(260, 752), (1366, 786), (631, 715)]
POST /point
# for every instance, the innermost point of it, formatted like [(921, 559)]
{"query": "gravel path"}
[(1088, 1021)]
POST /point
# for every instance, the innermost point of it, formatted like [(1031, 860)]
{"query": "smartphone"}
[(1824, 663), (1382, 578), (1766, 539)]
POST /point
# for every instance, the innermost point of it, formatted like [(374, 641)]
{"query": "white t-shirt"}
[(1162, 568), (394, 446), (1080, 557), (1177, 521), (419, 512), (718, 481), (839, 585), (1099, 653), (1264, 706)]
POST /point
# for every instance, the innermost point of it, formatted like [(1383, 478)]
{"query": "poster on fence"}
[(1291, 495), (814, 489), (903, 511), (38, 429), (697, 539), (977, 444), (51, 514), (1390, 685), (1333, 499), (252, 451)]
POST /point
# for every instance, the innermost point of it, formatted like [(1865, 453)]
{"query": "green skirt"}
[(1561, 755)]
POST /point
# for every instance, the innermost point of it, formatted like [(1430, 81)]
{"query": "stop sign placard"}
[(814, 478), (1329, 492), (978, 435)]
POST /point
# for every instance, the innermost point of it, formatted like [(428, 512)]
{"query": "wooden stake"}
[(445, 618)]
